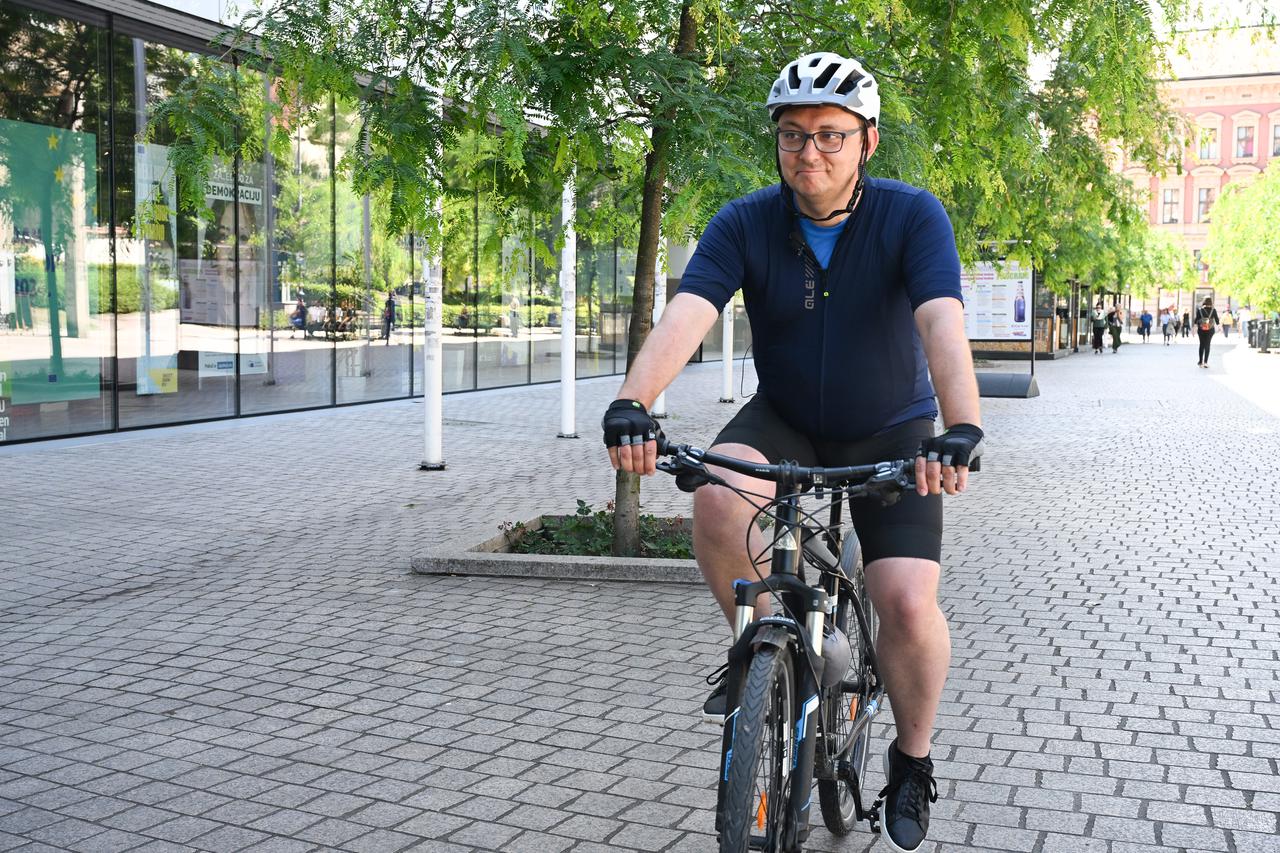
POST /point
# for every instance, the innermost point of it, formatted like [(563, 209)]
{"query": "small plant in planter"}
[(589, 533)]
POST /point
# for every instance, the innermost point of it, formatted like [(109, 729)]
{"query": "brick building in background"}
[(1227, 86)]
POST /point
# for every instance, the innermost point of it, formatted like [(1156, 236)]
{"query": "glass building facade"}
[(119, 309)]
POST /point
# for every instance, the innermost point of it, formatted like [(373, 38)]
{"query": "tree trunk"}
[(626, 518), (51, 288)]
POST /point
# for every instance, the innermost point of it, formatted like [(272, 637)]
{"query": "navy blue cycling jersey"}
[(836, 350)]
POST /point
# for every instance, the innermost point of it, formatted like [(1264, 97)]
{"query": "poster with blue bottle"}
[(996, 301)]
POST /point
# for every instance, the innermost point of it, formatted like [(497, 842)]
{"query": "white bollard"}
[(568, 312), (433, 362), (726, 386), (659, 409)]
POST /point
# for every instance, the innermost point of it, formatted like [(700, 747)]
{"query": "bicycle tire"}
[(758, 785), (842, 705)]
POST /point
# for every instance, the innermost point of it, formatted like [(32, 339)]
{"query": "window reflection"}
[(55, 254), (177, 345), (286, 244), (284, 294)]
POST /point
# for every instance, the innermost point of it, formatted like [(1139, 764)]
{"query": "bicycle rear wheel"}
[(845, 703), (759, 780)]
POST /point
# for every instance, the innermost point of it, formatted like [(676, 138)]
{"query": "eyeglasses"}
[(826, 141)]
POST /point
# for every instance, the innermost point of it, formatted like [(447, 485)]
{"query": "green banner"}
[(48, 187)]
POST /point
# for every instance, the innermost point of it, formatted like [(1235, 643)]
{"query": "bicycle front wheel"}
[(763, 750)]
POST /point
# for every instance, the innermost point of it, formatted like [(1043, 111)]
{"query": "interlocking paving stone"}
[(233, 653)]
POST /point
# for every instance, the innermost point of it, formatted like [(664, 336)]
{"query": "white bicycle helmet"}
[(826, 78)]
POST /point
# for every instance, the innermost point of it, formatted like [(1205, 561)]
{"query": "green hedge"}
[(129, 290)]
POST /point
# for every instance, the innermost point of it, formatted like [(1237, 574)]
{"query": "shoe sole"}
[(884, 831)]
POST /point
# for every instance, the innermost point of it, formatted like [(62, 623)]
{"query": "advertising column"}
[(997, 307)]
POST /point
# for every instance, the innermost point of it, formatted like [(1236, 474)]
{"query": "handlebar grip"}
[(975, 464)]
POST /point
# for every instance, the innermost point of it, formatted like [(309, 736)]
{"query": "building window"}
[(1204, 201), (1170, 207), (1208, 143), (1275, 139), (1244, 141)]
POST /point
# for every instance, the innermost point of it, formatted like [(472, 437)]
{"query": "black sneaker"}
[(904, 812), (717, 704)]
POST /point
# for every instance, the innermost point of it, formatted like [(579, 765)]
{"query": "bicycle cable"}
[(765, 510)]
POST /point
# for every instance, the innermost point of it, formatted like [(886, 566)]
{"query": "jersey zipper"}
[(822, 341)]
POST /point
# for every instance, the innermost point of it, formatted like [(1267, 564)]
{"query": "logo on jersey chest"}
[(810, 281), (810, 290)]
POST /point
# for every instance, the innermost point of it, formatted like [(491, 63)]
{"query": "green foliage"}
[(129, 290), (214, 112), (1243, 250), (590, 534), (1016, 161)]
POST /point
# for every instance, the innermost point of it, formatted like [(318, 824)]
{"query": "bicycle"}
[(786, 724)]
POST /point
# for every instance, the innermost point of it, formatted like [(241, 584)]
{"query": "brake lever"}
[(690, 474), (887, 484)]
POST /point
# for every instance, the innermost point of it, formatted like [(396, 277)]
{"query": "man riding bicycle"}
[(852, 288)]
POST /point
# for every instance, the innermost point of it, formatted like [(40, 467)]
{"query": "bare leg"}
[(914, 645), (720, 523)]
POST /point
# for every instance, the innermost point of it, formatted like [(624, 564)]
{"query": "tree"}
[(1243, 251), (666, 98)]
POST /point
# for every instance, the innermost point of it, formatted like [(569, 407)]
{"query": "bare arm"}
[(685, 322), (941, 326)]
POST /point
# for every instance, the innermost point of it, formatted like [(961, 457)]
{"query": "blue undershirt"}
[(822, 238)]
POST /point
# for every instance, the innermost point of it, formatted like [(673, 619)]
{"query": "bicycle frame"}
[(803, 643)]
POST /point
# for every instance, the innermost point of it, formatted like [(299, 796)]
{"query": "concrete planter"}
[(492, 558)]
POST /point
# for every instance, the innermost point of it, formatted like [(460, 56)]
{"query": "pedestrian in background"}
[(1144, 325), (388, 317), (1228, 320), (1206, 322), (1167, 326), (1115, 322), (1099, 318), (1186, 324)]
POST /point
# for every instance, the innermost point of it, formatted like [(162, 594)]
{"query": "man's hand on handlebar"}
[(631, 436), (944, 461)]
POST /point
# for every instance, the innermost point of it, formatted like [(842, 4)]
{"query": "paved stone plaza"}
[(210, 639)]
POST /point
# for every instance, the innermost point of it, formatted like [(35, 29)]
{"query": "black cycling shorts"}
[(912, 527)]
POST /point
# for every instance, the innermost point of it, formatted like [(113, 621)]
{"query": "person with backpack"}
[(1206, 322)]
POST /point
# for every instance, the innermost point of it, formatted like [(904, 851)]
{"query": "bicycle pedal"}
[(873, 817)]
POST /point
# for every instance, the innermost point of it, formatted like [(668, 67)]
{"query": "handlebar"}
[(883, 477)]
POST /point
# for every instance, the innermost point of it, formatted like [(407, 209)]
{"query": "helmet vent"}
[(848, 84), (825, 77), (793, 78)]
